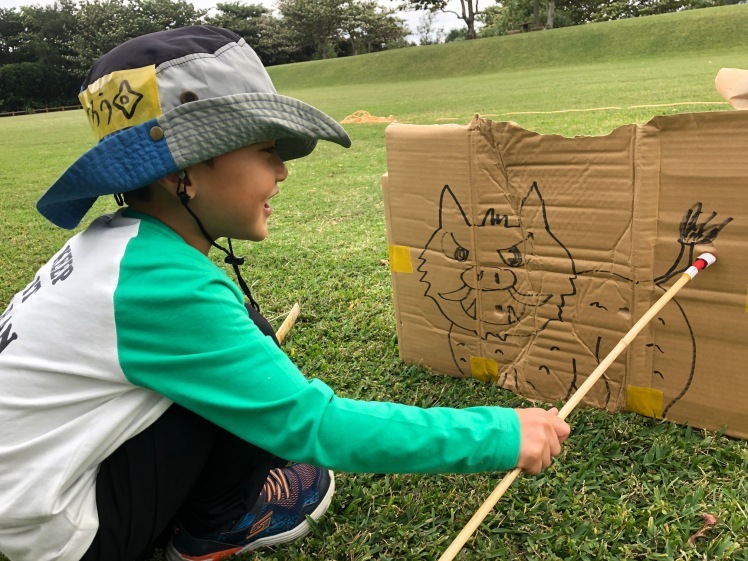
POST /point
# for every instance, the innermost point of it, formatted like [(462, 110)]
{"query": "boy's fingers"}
[(542, 436), (561, 427), (554, 445)]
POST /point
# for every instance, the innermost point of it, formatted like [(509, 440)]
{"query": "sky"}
[(412, 19)]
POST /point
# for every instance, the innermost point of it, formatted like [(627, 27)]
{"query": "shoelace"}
[(276, 485)]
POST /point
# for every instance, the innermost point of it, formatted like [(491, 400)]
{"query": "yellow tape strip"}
[(484, 369), (645, 401), (122, 99), (400, 259)]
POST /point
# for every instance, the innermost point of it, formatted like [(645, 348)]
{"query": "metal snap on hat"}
[(168, 100)]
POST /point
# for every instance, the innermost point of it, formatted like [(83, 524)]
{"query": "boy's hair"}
[(143, 195)]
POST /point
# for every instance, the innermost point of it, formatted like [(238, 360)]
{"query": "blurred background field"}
[(626, 487)]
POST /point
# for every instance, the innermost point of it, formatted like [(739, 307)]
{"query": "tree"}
[(536, 14), (277, 44), (315, 24), (503, 17), (104, 24), (30, 85), (12, 37), (329, 28), (47, 29), (428, 34), (158, 15), (36, 33), (268, 36), (372, 28), (468, 13), (34, 67), (508, 15), (621, 9), (242, 19), (455, 35)]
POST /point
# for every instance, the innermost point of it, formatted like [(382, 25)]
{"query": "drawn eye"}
[(453, 249), (512, 257)]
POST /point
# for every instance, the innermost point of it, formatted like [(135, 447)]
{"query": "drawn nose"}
[(496, 279)]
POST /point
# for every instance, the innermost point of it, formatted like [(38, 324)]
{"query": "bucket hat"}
[(168, 100)]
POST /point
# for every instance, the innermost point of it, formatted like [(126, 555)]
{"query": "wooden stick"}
[(287, 323), (702, 262)]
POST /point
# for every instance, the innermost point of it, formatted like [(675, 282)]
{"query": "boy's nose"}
[(281, 171)]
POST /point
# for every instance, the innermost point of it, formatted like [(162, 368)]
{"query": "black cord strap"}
[(230, 259)]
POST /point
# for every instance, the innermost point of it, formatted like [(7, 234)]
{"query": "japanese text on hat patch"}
[(122, 99)]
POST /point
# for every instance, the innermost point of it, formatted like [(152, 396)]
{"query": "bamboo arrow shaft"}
[(456, 545), (621, 346), (287, 323), (505, 483)]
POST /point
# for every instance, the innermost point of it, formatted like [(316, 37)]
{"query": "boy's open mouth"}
[(267, 203)]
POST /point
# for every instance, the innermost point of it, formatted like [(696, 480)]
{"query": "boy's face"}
[(232, 194)]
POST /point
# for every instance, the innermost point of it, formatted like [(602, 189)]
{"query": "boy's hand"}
[(541, 434)]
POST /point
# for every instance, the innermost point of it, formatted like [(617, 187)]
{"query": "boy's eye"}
[(271, 150)]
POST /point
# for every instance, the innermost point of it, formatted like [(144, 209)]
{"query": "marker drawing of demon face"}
[(486, 279), (502, 280)]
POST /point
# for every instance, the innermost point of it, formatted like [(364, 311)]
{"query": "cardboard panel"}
[(700, 347), (523, 259)]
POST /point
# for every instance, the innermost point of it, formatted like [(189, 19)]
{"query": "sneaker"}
[(279, 516)]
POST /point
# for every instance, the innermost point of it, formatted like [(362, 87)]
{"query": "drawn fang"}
[(470, 310)]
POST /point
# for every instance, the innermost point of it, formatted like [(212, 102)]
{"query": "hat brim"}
[(192, 133)]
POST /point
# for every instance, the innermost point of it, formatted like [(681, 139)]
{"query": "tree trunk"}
[(551, 13), (469, 17), (470, 28)]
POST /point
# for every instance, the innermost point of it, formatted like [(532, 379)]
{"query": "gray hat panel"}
[(208, 128), (233, 69)]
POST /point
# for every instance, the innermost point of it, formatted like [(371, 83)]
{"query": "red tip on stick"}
[(701, 263)]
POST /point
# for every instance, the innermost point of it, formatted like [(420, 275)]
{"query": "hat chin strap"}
[(231, 259)]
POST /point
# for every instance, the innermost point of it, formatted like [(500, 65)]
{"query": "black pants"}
[(182, 466)]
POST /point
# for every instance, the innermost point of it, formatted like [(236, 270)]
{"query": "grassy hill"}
[(711, 30), (626, 487), (627, 71)]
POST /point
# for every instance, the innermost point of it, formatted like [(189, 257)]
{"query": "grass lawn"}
[(626, 487)]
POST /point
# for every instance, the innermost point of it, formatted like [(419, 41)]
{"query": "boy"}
[(140, 400)]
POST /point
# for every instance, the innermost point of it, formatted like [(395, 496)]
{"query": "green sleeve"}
[(183, 331)]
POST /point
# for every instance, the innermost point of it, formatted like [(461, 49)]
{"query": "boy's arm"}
[(187, 335)]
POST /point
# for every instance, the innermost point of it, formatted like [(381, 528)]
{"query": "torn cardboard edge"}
[(732, 84), (522, 259)]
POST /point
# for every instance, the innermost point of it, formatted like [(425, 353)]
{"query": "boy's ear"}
[(171, 182)]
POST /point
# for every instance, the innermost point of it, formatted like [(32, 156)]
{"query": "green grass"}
[(710, 30), (626, 487)]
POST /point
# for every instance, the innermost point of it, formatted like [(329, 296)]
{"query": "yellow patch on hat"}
[(122, 99)]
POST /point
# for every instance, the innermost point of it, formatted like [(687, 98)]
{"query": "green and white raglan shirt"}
[(128, 318)]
